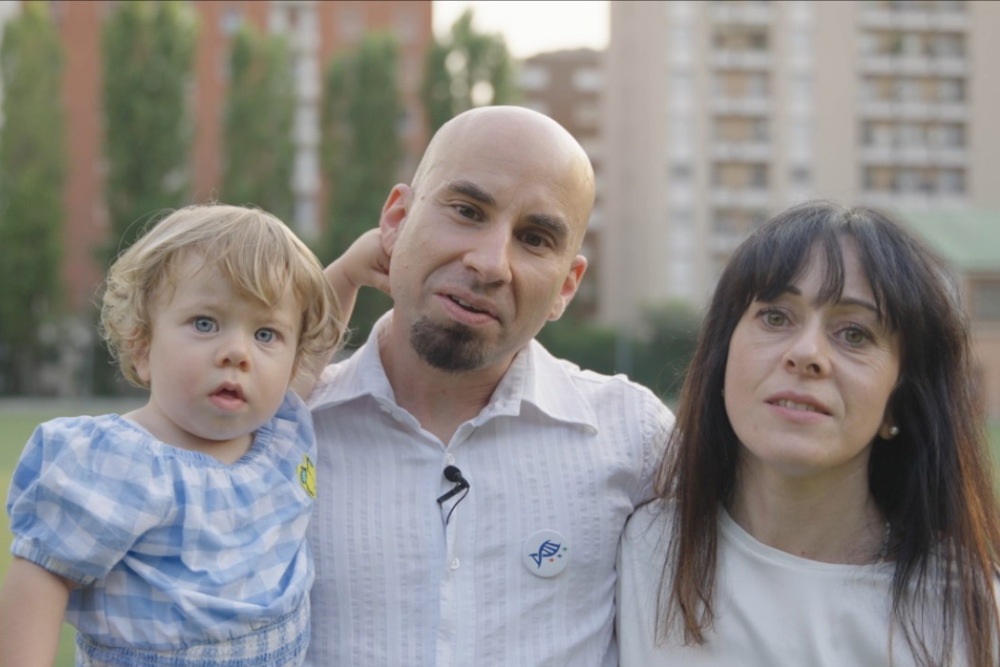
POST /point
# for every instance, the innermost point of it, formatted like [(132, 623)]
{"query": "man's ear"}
[(394, 213), (570, 284)]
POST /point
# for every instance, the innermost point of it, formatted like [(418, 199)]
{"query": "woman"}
[(826, 498)]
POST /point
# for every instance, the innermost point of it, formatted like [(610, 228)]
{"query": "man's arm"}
[(365, 263)]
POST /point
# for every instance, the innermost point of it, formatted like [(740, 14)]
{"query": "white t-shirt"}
[(772, 608)]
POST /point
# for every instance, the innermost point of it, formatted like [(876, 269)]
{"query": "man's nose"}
[(490, 255)]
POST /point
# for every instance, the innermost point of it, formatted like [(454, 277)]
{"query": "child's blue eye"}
[(264, 335), (204, 324)]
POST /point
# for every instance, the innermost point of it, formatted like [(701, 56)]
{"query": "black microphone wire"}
[(460, 499)]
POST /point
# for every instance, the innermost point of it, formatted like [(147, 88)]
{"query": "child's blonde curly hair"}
[(254, 250)]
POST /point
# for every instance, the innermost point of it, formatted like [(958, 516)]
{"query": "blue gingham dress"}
[(180, 559)]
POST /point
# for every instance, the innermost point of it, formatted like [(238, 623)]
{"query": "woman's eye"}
[(265, 335), (204, 324), (855, 336), (773, 318)]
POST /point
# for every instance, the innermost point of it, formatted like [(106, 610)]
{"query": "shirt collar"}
[(535, 377)]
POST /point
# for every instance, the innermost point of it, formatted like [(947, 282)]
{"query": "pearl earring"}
[(893, 431)]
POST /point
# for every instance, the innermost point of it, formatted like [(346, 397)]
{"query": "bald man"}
[(471, 488)]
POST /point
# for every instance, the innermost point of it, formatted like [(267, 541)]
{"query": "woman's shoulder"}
[(649, 526)]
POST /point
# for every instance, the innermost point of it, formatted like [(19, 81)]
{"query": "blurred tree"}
[(664, 349), (587, 345), (32, 168), (148, 49), (466, 69), (257, 133), (361, 152)]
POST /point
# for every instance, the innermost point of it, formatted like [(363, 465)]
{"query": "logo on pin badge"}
[(545, 554)]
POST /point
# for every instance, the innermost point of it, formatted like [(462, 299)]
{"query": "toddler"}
[(175, 534)]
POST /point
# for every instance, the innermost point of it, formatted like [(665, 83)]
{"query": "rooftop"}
[(969, 240)]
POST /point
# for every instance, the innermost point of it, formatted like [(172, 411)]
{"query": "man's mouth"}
[(468, 306)]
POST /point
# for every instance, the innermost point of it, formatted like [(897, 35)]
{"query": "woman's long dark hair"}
[(933, 481)]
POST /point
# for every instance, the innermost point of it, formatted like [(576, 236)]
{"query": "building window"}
[(586, 114), (986, 300), (534, 77), (682, 219), (907, 90), (949, 136), (757, 41), (755, 85), (951, 90), (680, 174), (588, 79), (760, 130), (230, 20), (951, 181), (800, 177), (405, 22), (351, 25), (947, 46)]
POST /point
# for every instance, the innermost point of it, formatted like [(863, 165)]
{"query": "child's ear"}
[(394, 213), (140, 361)]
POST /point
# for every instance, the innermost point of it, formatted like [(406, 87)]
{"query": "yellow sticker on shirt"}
[(307, 476)]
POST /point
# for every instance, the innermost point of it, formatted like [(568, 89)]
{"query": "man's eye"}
[(534, 240), (265, 335), (467, 212), (204, 324)]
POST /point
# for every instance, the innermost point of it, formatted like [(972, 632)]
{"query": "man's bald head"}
[(512, 130)]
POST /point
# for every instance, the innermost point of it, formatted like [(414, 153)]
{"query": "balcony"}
[(917, 65), (917, 111), (741, 14), (745, 60), (741, 106), (741, 151), (912, 200), (724, 243), (913, 110), (920, 19), (914, 156), (747, 197)]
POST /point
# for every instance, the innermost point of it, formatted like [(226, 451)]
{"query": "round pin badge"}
[(545, 554)]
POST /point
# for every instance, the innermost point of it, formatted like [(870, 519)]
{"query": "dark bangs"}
[(776, 254)]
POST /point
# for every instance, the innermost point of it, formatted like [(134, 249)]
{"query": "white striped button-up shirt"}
[(557, 449)]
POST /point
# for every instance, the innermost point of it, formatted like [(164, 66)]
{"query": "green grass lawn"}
[(16, 425)]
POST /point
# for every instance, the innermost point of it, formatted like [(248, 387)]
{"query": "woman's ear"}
[(888, 430)]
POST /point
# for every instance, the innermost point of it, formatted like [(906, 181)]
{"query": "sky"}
[(532, 27)]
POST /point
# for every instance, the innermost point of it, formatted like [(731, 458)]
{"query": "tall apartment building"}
[(718, 114), (316, 31), (568, 87)]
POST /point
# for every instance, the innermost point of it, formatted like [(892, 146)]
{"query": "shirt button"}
[(449, 459), (454, 564)]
